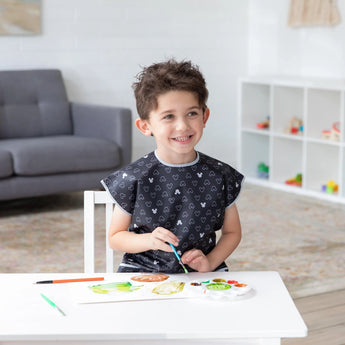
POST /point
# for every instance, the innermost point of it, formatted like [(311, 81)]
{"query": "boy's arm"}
[(231, 237), (229, 240), (121, 239)]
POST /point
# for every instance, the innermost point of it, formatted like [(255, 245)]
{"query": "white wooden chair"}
[(91, 199)]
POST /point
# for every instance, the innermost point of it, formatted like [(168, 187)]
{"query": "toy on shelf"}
[(331, 187), (333, 134), (264, 124), (263, 170), (295, 181), (295, 126)]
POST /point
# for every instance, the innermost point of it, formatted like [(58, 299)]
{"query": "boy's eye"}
[(192, 113), (168, 117)]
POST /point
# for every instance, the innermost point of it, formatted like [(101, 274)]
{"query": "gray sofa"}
[(49, 145)]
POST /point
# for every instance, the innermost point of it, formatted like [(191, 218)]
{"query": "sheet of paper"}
[(176, 286)]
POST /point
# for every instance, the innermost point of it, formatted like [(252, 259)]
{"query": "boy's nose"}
[(182, 124)]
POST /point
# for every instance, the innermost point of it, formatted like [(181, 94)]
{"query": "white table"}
[(265, 318)]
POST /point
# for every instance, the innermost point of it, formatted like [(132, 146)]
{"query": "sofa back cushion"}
[(33, 103)]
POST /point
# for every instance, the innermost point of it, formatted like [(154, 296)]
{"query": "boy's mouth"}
[(182, 139)]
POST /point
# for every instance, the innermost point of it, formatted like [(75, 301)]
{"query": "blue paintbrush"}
[(178, 258)]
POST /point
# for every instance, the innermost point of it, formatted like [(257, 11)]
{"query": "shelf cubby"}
[(287, 156), (255, 150), (322, 165), (324, 109), (288, 102), (258, 109)]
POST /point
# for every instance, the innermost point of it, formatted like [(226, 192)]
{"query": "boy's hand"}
[(197, 260), (160, 236)]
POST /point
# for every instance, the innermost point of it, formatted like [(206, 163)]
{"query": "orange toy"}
[(263, 124), (296, 181)]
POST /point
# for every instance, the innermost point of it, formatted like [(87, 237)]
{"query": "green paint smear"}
[(112, 287), (218, 286)]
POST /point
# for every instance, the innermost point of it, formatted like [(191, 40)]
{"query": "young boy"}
[(175, 194)]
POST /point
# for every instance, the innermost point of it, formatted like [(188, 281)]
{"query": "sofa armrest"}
[(107, 122)]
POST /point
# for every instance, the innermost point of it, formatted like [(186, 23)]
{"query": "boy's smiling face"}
[(177, 125)]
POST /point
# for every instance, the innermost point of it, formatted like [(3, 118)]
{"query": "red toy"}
[(333, 134)]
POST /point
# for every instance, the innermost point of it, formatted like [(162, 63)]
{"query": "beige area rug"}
[(301, 238)]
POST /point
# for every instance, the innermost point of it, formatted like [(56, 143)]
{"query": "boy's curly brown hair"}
[(162, 77)]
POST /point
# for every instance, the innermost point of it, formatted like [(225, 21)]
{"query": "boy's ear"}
[(143, 126), (206, 115)]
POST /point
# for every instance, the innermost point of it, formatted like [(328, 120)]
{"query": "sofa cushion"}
[(33, 103), (6, 167), (61, 154)]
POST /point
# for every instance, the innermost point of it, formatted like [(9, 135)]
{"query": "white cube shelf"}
[(318, 105)]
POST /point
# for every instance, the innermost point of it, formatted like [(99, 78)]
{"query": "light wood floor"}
[(324, 316)]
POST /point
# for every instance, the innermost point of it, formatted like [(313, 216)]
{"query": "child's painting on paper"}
[(146, 287)]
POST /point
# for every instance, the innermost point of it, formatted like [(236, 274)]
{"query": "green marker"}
[(53, 304)]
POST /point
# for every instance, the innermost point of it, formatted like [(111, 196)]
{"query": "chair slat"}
[(109, 207), (91, 199), (89, 232)]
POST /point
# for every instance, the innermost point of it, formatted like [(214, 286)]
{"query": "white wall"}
[(100, 45), (276, 49)]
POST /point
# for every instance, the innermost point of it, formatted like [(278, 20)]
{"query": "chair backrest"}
[(91, 199)]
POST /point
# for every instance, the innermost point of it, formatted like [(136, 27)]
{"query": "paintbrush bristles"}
[(183, 266)]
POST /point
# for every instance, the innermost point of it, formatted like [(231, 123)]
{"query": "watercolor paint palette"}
[(156, 287), (230, 289)]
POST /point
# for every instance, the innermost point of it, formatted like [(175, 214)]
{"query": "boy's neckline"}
[(196, 160)]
